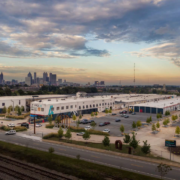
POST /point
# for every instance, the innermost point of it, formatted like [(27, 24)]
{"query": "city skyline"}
[(83, 44)]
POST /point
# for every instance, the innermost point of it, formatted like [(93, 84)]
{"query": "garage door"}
[(160, 110), (153, 110), (147, 109), (142, 109), (136, 109)]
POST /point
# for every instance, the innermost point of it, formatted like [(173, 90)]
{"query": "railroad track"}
[(37, 170)]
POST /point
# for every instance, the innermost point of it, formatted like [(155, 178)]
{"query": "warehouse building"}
[(161, 106), (69, 106)]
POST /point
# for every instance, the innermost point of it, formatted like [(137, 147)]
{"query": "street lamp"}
[(34, 117), (13, 105)]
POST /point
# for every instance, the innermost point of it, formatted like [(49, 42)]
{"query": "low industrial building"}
[(156, 107), (68, 106)]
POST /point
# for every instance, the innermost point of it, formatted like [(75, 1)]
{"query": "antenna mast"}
[(134, 75)]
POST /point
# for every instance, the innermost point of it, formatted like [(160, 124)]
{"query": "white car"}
[(87, 128), (11, 125), (106, 130), (11, 132), (80, 134), (38, 125)]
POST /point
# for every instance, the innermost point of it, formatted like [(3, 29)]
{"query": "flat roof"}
[(160, 104)]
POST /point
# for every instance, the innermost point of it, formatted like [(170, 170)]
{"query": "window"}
[(96, 105), (103, 104), (67, 107), (52, 109), (83, 107), (42, 109), (3, 104), (62, 107), (86, 106), (57, 108), (19, 102), (90, 105), (75, 106), (79, 107), (99, 104), (93, 105), (110, 103), (71, 106)]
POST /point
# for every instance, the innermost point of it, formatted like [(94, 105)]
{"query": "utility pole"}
[(34, 117)]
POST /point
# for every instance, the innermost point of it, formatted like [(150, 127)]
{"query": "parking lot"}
[(114, 126)]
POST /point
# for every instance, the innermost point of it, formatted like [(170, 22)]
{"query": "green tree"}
[(86, 135), (110, 110), (158, 125), (80, 116), (16, 108), (106, 111), (177, 131), (127, 138), (9, 110), (165, 122), (92, 114), (134, 125), (153, 127), (157, 116), (138, 124), (96, 113), (50, 119), (163, 169), (51, 150), (22, 108), (121, 128), (4, 110), (77, 123), (19, 111), (68, 134), (134, 143), (74, 117), (106, 141), (150, 119), (146, 148), (93, 124), (60, 133)]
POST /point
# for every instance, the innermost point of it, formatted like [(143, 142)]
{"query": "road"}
[(128, 164)]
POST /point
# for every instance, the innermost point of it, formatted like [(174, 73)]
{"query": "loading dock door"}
[(160, 111), (142, 109), (136, 109), (147, 109), (153, 110)]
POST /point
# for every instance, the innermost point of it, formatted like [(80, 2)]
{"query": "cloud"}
[(60, 28)]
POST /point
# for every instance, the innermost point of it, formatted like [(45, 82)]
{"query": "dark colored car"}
[(133, 113), (124, 112), (25, 125), (117, 120), (106, 123), (126, 116), (84, 121), (101, 124), (90, 121), (113, 114), (121, 112)]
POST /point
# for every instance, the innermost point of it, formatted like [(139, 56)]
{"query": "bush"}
[(18, 117), (2, 115), (49, 126), (5, 128), (20, 128), (146, 148), (50, 135), (51, 150)]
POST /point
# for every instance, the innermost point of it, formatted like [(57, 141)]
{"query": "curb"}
[(117, 154)]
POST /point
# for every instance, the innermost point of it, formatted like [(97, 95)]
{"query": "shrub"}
[(106, 141), (49, 125), (60, 133), (50, 135), (51, 150), (5, 128), (18, 117), (146, 148), (127, 138), (2, 115), (20, 128)]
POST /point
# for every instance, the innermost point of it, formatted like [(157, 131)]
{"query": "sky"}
[(85, 41)]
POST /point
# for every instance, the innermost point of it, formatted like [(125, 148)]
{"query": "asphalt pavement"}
[(128, 164)]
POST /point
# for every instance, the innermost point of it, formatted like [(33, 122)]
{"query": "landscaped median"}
[(66, 165), (17, 128), (18, 117)]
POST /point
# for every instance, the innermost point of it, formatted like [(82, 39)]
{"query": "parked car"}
[(126, 116), (106, 130), (25, 125), (87, 128), (84, 121), (124, 112), (11, 132), (101, 124), (113, 114), (133, 113), (80, 134), (38, 125), (121, 112), (122, 115), (90, 121), (117, 120), (11, 125), (106, 123)]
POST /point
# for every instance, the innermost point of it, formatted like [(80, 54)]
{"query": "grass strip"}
[(66, 165)]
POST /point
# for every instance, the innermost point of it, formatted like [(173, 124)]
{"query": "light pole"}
[(34, 117), (13, 105)]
